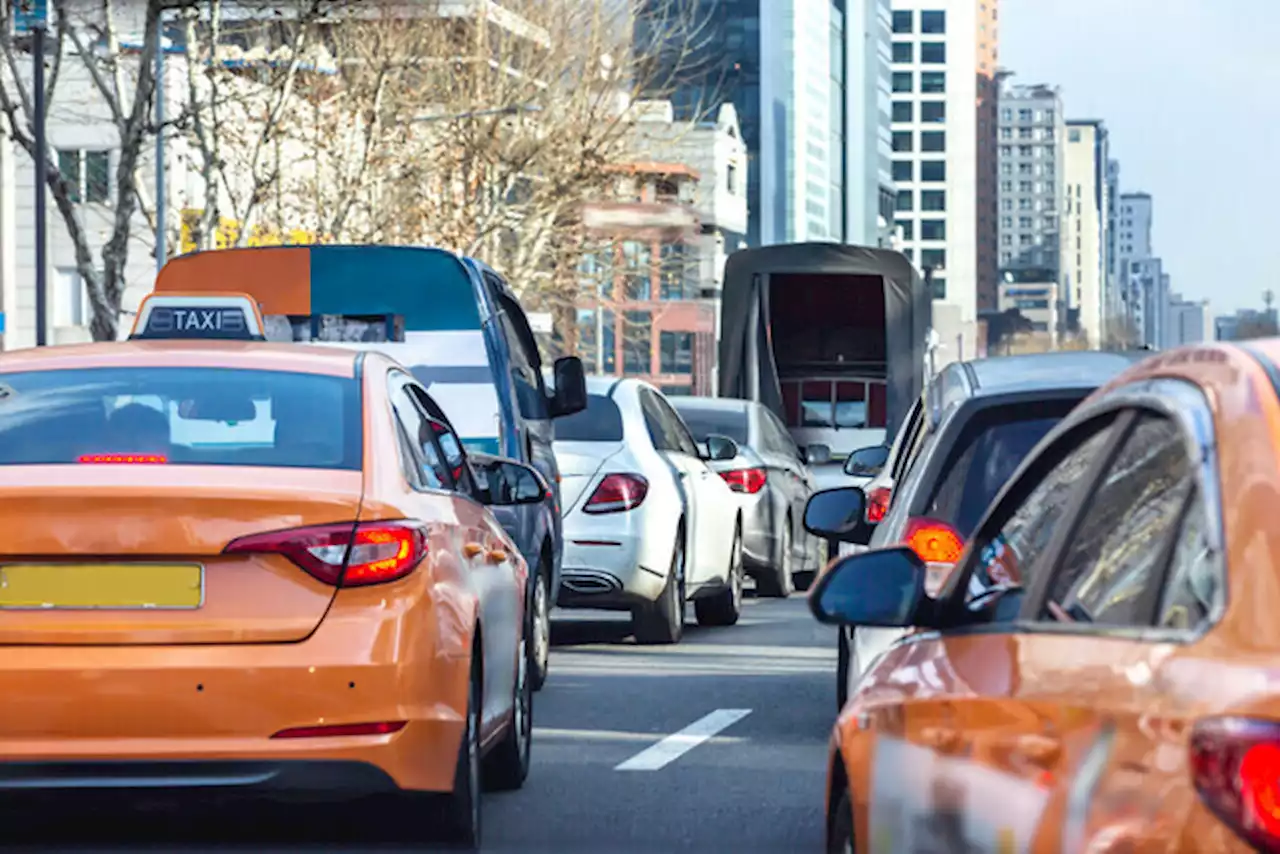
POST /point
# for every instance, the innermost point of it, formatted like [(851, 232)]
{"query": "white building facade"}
[(1084, 233)]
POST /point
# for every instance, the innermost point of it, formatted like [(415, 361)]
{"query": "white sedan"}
[(647, 524)]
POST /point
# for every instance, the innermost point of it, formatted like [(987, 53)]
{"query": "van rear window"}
[(184, 416)]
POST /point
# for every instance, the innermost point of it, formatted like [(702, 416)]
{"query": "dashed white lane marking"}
[(679, 743)]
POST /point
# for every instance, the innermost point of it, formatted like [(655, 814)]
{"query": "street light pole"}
[(161, 212), (42, 181)]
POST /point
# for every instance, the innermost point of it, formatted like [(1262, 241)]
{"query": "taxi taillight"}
[(878, 504), (1235, 766), (933, 540), (350, 554)]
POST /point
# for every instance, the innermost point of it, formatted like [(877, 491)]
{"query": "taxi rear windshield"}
[(192, 416)]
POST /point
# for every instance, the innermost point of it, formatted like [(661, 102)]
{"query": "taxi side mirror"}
[(882, 588)]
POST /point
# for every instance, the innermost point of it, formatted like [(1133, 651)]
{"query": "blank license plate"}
[(101, 585)]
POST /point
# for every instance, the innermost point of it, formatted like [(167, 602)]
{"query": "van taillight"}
[(934, 541), (350, 554), (878, 504), (616, 493), (1235, 765), (749, 481)]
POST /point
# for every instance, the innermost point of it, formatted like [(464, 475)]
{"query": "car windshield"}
[(704, 422), (193, 416), (599, 422), (991, 447)]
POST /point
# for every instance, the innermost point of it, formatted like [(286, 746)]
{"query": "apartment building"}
[(945, 157), (1084, 233), (1133, 244)]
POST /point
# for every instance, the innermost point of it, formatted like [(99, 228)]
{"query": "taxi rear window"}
[(192, 416)]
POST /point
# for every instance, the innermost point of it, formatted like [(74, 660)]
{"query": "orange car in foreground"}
[(235, 564), (1101, 672)]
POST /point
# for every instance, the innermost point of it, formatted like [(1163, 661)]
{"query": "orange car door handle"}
[(472, 549), (1037, 749), (943, 739), (497, 555)]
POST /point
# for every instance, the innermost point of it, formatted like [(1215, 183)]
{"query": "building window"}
[(1006, 222), (1049, 116), (1024, 222), (1024, 115), (933, 229), (637, 259), (1006, 186), (1006, 168), (1006, 204), (933, 82), (933, 111), (675, 352), (1073, 135), (903, 170), (902, 22), (88, 173), (933, 53), (903, 111), (1006, 240), (1006, 115), (906, 200), (731, 179), (677, 273), (608, 354), (938, 285), (902, 81), (1024, 169), (908, 228), (1024, 204), (70, 298), (933, 200), (934, 23), (903, 52), (933, 170), (933, 259), (933, 140), (637, 342), (1024, 186), (902, 140), (1006, 133)]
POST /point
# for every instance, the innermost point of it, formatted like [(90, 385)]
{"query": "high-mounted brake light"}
[(933, 541), (338, 730), (124, 459), (616, 493), (878, 504), (749, 481), (1235, 766), (348, 554)]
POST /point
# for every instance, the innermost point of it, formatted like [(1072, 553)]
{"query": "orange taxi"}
[(1101, 672), (235, 564)]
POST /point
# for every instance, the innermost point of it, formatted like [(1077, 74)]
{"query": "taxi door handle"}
[(496, 555), (942, 739), (1039, 750), (472, 550)]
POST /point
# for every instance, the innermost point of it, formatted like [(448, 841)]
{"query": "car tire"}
[(540, 629), (840, 827), (842, 670), (724, 608), (462, 814), (780, 583), (507, 765), (662, 622)]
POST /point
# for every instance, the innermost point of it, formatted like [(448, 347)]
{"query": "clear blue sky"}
[(1188, 91)]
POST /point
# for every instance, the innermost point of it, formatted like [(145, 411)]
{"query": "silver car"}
[(773, 484)]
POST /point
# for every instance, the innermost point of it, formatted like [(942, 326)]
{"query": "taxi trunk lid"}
[(88, 556)]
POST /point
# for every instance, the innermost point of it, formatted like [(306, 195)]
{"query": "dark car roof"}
[(1061, 370)]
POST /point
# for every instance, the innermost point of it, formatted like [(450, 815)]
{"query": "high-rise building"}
[(1084, 233), (1189, 322), (1135, 213), (1113, 302), (810, 81), (944, 156), (1031, 135)]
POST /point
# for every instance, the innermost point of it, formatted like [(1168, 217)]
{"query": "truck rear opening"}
[(829, 343)]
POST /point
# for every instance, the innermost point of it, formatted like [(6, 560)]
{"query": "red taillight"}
[(749, 481), (381, 728), (878, 504), (933, 541), (1235, 765), (349, 554), (617, 492), (125, 459)]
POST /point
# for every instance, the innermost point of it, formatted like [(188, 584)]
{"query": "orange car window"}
[(1114, 555), (1196, 586)]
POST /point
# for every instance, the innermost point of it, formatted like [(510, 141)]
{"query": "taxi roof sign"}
[(198, 317)]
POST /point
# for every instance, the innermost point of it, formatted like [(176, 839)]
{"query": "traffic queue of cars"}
[(1065, 621)]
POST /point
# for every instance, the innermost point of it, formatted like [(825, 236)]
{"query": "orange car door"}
[(947, 709)]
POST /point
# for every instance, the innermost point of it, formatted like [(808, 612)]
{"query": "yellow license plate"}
[(101, 585)]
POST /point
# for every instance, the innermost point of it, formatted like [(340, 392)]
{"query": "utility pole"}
[(32, 17)]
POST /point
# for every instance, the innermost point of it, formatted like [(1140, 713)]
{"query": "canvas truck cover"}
[(745, 314)]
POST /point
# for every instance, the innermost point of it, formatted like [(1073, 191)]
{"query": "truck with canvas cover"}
[(833, 338)]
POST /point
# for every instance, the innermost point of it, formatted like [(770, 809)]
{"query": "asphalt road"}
[(754, 702)]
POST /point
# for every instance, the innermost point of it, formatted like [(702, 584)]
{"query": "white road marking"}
[(678, 744)]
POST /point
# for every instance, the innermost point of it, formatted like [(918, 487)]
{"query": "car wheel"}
[(462, 806), (780, 583), (840, 835), (724, 608), (540, 646), (663, 621), (507, 766), (842, 670)]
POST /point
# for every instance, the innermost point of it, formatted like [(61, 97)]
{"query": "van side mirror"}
[(570, 395), (505, 482)]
